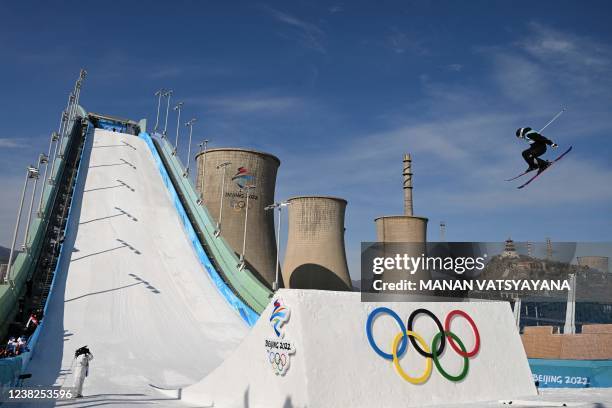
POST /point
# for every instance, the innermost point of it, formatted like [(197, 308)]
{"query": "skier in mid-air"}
[(538, 147)]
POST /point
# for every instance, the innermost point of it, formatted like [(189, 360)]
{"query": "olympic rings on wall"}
[(466, 362), (431, 353), (398, 367), (440, 328), (369, 323), (278, 360), (447, 324)]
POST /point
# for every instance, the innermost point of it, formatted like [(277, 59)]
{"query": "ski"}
[(520, 175), (549, 166)]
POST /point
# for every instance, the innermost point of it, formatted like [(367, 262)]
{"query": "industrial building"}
[(598, 263), (224, 176), (406, 227), (405, 233), (315, 257)]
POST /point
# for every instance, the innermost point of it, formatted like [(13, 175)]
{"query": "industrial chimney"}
[(403, 233), (407, 227), (315, 257), (407, 173)]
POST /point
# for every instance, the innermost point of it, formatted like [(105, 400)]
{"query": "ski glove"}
[(554, 145)]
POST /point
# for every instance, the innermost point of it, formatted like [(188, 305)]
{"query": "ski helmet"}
[(520, 132)]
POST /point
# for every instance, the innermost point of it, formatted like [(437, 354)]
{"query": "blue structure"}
[(571, 373)]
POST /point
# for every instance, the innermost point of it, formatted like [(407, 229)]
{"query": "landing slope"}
[(132, 288)]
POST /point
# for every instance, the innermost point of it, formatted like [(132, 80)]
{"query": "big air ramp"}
[(131, 287), (332, 364)]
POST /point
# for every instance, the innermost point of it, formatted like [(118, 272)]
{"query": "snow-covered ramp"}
[(132, 288)]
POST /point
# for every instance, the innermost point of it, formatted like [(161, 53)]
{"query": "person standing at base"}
[(83, 356)]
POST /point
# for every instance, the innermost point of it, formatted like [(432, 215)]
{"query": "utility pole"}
[(159, 94), (190, 125), (224, 167), (167, 94), (247, 189), (177, 108), (54, 137), (41, 159), (31, 172), (279, 206), (204, 145)]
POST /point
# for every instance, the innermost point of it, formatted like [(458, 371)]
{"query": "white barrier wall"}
[(334, 364)]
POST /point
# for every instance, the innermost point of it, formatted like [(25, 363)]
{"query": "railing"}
[(11, 368), (25, 262), (248, 314), (244, 282), (3, 271)]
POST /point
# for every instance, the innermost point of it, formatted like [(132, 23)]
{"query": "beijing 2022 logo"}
[(243, 177), (278, 348), (431, 353)]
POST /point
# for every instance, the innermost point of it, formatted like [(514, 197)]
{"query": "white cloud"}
[(548, 66), (565, 49), (310, 35), (249, 103), (12, 143)]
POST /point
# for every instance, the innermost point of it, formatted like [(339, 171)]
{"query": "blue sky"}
[(339, 91)]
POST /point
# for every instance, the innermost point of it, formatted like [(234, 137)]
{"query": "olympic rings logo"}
[(279, 361), (430, 352)]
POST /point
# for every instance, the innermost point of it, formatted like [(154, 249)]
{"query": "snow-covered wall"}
[(334, 363)]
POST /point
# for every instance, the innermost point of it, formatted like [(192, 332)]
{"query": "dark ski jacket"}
[(534, 137)]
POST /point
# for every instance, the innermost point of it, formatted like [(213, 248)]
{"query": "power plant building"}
[(246, 168), (315, 257), (598, 263), (406, 227), (402, 234)]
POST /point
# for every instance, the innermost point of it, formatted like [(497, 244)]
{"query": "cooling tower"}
[(599, 263), (246, 168), (315, 257), (401, 228)]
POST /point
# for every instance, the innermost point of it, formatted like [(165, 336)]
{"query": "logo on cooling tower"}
[(242, 177), (278, 348), (433, 352)]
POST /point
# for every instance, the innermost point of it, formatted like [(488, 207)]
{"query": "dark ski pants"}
[(532, 155)]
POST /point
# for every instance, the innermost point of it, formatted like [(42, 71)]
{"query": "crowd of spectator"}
[(17, 345), (14, 347)]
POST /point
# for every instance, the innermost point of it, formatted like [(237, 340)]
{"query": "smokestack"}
[(406, 229), (407, 173)]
